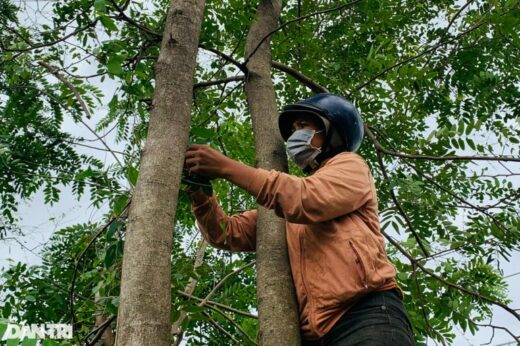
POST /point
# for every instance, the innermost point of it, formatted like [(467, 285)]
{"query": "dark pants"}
[(378, 319)]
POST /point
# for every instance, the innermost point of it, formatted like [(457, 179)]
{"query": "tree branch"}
[(380, 147), (300, 77), (218, 82), (220, 328), (226, 57), (400, 208), (72, 88), (305, 80), (516, 338), (132, 22), (296, 20), (41, 45), (225, 307), (233, 323), (449, 26), (217, 286), (414, 57), (190, 287), (80, 256), (448, 283), (78, 97), (99, 331)]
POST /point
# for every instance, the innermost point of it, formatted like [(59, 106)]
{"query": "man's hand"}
[(206, 161)]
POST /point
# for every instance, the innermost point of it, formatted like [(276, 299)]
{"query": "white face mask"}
[(300, 149)]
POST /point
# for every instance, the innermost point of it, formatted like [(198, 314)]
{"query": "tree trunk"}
[(278, 313), (144, 311)]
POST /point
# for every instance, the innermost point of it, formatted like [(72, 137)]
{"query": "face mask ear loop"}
[(312, 146)]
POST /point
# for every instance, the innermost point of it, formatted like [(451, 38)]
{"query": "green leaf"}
[(119, 204), (175, 314), (29, 342), (30, 298), (108, 23), (100, 6), (114, 65), (12, 342), (193, 308), (110, 255), (202, 132), (49, 342), (6, 310), (114, 227), (84, 174), (3, 328), (132, 175)]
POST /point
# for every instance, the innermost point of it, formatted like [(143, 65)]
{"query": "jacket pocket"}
[(360, 265)]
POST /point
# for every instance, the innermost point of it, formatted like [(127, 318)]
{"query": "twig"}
[(296, 20), (421, 298), (56, 73), (448, 283), (380, 147), (217, 82), (129, 20), (217, 286), (400, 208), (100, 330), (190, 287), (449, 27), (41, 45), (220, 305), (72, 88), (233, 323), (220, 328), (414, 57), (516, 338)]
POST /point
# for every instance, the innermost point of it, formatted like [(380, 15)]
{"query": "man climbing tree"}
[(344, 282)]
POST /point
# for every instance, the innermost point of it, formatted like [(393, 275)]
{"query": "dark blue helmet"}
[(343, 124)]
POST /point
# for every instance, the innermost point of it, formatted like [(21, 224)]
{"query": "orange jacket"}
[(335, 246)]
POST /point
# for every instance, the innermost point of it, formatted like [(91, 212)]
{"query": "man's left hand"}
[(204, 160)]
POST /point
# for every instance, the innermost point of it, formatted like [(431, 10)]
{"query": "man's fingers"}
[(196, 146), (191, 162)]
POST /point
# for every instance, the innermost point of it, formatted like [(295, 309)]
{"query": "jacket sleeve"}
[(341, 186), (233, 233)]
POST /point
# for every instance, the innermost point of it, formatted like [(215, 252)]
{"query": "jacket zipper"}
[(309, 300), (360, 263)]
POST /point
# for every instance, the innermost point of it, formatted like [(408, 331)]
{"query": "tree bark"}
[(277, 307), (145, 299)]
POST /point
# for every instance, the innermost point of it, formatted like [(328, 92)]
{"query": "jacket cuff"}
[(199, 208)]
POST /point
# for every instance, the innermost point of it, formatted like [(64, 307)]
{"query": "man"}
[(345, 285)]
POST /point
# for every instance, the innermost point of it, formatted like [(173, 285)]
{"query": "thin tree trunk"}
[(107, 338), (145, 305), (190, 288), (278, 313)]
